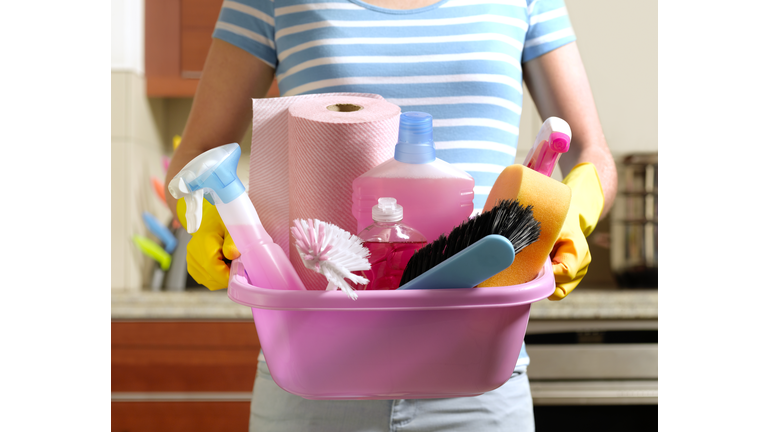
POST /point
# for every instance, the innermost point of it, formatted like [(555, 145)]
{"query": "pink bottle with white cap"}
[(436, 195), (391, 244)]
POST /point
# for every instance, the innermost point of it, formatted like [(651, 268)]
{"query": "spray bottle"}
[(553, 139), (213, 176)]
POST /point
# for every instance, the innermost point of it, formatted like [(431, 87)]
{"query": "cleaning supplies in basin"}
[(436, 195), (213, 175), (332, 252), (392, 244), (458, 256)]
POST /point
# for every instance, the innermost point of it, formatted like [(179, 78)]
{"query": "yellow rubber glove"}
[(209, 245), (570, 255)]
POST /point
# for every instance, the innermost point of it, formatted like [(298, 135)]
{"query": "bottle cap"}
[(388, 210), (415, 144)]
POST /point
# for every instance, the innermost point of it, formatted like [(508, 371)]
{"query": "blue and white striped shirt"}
[(459, 60)]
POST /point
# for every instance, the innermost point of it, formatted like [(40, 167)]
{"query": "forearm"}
[(221, 109), (558, 85)]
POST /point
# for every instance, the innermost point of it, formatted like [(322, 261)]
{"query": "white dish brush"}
[(332, 252)]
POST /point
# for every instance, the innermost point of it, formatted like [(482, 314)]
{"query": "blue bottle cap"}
[(415, 144)]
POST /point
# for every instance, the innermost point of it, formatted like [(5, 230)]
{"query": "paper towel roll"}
[(306, 151)]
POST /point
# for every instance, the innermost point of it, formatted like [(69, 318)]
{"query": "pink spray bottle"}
[(213, 176), (553, 139)]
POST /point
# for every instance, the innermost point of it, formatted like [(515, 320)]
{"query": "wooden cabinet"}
[(177, 36), (182, 376)]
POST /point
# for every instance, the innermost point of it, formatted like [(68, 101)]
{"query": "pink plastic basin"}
[(402, 344)]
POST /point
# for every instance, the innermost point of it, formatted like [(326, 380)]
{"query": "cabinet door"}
[(191, 356), (177, 36), (198, 19), (182, 376)]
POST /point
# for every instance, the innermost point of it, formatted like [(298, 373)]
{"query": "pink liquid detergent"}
[(391, 243), (436, 195), (421, 194), (388, 261), (434, 205)]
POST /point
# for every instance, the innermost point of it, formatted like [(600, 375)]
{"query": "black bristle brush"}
[(508, 219)]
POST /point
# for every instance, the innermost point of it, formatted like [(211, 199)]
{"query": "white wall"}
[(137, 147), (128, 36), (618, 41)]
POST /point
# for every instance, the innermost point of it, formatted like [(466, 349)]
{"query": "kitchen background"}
[(170, 351)]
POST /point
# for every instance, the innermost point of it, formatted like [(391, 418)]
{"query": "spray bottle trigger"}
[(193, 199), (194, 215)]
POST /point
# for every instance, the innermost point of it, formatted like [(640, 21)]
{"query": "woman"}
[(464, 63)]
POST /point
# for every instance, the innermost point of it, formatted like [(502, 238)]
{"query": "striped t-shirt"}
[(458, 60)]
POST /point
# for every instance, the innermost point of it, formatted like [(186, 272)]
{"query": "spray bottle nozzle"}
[(212, 175)]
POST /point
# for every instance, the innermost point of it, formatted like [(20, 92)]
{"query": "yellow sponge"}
[(550, 200)]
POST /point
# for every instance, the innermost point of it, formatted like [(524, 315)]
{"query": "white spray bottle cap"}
[(387, 210), (213, 173)]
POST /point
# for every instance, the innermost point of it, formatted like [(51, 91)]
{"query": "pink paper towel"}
[(305, 156)]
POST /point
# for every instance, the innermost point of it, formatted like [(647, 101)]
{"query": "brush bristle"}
[(332, 252), (508, 219)]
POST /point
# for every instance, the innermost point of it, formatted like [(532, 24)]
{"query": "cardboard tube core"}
[(344, 107)]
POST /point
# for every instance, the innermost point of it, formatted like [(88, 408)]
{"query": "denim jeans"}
[(508, 408)]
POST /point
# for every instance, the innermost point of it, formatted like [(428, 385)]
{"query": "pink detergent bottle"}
[(391, 243), (437, 195)]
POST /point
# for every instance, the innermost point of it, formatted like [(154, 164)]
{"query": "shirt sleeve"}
[(548, 28), (249, 25)]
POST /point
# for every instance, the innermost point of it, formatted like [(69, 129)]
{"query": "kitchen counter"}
[(583, 304)]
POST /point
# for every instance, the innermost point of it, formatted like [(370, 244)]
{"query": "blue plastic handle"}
[(468, 268), (160, 231)]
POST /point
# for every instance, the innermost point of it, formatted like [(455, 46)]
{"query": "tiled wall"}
[(137, 146)]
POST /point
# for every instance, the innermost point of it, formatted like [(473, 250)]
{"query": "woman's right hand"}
[(208, 248)]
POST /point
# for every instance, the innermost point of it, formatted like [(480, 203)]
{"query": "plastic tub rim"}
[(241, 292)]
